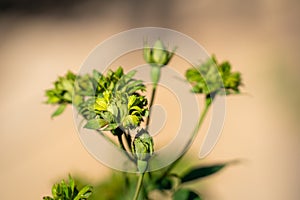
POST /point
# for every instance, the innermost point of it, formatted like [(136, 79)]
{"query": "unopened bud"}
[(142, 147), (158, 55)]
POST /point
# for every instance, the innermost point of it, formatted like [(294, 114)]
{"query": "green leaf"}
[(84, 193), (67, 97), (100, 104), (201, 172), (185, 194), (55, 190), (72, 184), (131, 120), (111, 126), (131, 100), (119, 72), (52, 99), (59, 110), (68, 85), (95, 123)]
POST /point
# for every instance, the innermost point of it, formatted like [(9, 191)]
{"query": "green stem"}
[(128, 140), (121, 142), (123, 147), (139, 186), (107, 138), (155, 76), (196, 130), (202, 117), (150, 105)]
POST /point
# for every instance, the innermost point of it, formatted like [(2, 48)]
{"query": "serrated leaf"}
[(59, 110), (186, 194), (201, 172)]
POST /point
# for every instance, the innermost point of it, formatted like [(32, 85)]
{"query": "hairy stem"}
[(138, 186)]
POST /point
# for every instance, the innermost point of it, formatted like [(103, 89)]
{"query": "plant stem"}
[(121, 142), (148, 118), (107, 138), (139, 186), (202, 117), (123, 147), (150, 105), (128, 140), (196, 130)]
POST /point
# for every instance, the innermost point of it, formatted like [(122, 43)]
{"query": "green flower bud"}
[(142, 148), (158, 55)]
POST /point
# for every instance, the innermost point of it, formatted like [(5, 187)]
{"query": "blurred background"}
[(43, 39)]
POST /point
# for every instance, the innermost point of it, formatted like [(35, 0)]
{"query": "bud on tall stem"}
[(157, 57)]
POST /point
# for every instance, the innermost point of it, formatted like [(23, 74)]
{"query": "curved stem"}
[(121, 142), (128, 140), (139, 186), (107, 138), (196, 130), (123, 147)]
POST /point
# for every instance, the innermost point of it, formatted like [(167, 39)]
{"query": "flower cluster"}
[(106, 102), (117, 103), (69, 191), (214, 78)]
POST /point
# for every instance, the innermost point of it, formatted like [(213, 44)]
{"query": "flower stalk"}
[(138, 186), (157, 57)]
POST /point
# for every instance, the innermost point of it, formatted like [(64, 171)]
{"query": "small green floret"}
[(214, 78)]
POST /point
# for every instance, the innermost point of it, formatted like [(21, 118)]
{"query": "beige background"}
[(260, 38)]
